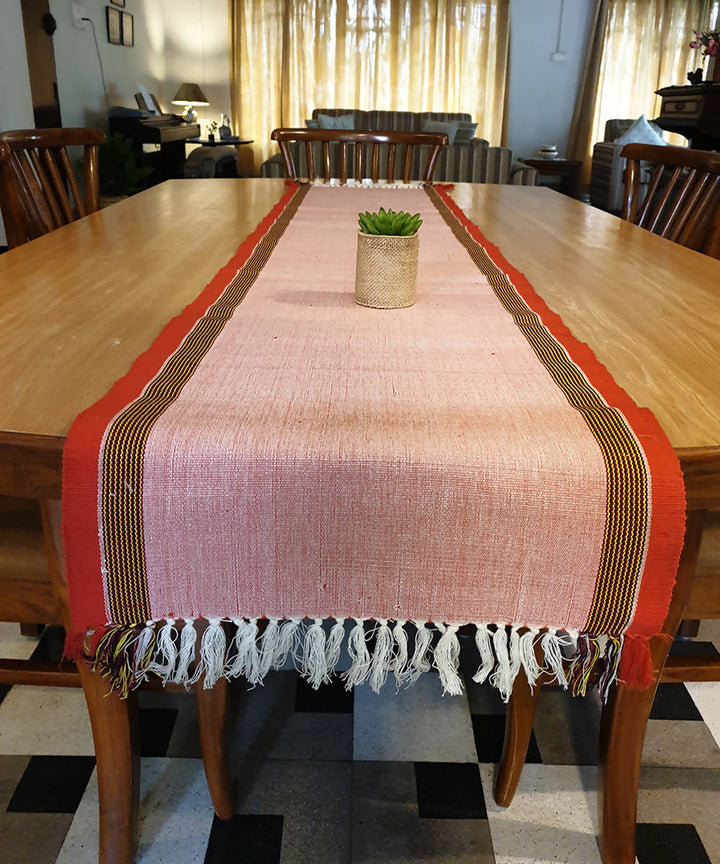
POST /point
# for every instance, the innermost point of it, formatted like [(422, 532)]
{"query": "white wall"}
[(542, 92), (15, 97)]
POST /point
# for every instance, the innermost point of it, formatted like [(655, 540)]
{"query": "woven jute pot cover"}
[(386, 270)]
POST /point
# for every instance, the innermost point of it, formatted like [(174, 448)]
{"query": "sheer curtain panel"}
[(290, 56)]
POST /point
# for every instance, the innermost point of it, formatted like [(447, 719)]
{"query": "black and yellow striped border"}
[(628, 486), (124, 449)]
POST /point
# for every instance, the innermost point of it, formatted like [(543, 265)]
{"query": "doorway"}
[(39, 26)]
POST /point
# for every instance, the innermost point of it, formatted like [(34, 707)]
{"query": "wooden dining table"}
[(79, 305)]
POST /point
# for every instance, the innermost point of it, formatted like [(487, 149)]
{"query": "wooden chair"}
[(682, 198), (361, 140), (38, 187), (625, 716)]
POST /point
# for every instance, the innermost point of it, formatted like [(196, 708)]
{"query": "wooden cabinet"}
[(693, 112)]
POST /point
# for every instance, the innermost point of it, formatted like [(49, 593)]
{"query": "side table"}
[(569, 170)]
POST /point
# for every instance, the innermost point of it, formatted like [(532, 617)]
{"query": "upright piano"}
[(168, 130)]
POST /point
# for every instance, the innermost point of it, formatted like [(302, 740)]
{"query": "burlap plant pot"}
[(386, 270)]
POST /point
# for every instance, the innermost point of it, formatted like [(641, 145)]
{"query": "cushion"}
[(343, 121), (450, 129), (465, 132), (311, 124), (641, 132)]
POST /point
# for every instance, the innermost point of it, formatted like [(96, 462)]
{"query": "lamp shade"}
[(190, 94)]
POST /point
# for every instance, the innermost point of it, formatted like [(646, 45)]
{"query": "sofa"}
[(472, 162), (607, 175)]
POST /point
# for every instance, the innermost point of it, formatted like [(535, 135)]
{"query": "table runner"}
[(287, 473)]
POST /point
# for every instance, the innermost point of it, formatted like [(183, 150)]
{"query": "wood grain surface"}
[(79, 305)]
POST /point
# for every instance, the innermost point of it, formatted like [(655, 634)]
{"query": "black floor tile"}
[(4, 690), (245, 840), (449, 790), (52, 784), (489, 731), (50, 647), (669, 844), (330, 698), (692, 648), (673, 702), (156, 728)]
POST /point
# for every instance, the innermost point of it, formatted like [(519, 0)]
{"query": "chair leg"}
[(622, 733), (32, 630), (212, 716), (114, 724), (519, 719)]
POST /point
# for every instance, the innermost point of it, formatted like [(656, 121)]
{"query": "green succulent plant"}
[(400, 224)]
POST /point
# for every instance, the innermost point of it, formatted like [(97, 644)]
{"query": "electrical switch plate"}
[(78, 13), (558, 56)]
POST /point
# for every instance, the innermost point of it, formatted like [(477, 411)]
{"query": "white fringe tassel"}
[(317, 648), (447, 660)]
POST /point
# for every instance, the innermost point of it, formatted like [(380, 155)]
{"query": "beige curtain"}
[(290, 56), (636, 47)]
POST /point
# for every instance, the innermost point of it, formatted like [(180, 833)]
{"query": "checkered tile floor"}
[(337, 778)]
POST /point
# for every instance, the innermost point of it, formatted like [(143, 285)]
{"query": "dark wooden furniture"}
[(170, 131), (38, 188), (569, 171), (693, 112), (88, 280), (359, 138), (681, 200)]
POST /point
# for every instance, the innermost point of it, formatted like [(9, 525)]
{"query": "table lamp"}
[(189, 95)]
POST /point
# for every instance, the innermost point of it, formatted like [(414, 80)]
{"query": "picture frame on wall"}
[(114, 25), (118, 3), (128, 30)]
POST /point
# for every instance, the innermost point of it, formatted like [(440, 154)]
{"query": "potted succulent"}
[(212, 129), (387, 256)]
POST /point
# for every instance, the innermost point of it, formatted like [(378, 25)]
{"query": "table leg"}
[(114, 724)]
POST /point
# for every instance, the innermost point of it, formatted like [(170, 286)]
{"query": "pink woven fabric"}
[(327, 459)]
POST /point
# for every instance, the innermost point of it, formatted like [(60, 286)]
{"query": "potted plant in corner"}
[(387, 256), (118, 173)]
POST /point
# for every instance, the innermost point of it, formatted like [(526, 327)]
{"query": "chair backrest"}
[(38, 187), (682, 195), (342, 138)]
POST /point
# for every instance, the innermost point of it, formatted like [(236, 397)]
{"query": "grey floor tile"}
[(387, 828), (313, 799), (49, 721), (567, 728), (681, 743), (415, 725), (267, 726), (32, 838), (683, 795), (12, 769)]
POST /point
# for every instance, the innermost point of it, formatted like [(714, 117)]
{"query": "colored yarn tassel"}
[(483, 638), (447, 660), (613, 652), (636, 665), (74, 647), (584, 664)]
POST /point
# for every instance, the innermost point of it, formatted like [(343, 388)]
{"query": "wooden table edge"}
[(31, 466)]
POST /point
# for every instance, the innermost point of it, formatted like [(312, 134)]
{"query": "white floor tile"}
[(418, 724), (175, 816), (45, 721), (706, 695), (551, 820)]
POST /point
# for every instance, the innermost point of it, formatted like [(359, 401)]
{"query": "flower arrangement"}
[(709, 41)]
